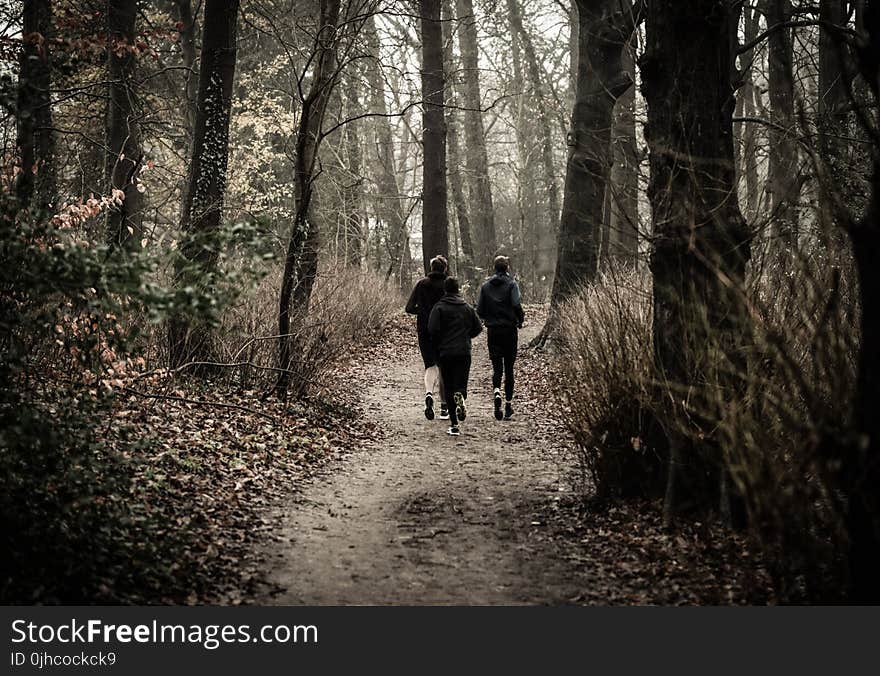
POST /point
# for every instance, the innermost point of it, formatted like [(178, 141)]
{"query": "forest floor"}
[(409, 515)]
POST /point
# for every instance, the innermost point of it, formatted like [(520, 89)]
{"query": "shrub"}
[(66, 531), (604, 381), (348, 308), (776, 413)]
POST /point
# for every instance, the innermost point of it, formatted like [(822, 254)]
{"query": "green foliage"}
[(71, 533), (242, 251)]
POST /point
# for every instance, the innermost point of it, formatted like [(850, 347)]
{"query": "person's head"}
[(451, 285), (502, 264), (438, 264)]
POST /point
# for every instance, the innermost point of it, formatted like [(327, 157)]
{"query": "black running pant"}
[(455, 371), (502, 351)]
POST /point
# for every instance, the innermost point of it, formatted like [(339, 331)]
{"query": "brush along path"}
[(419, 517)]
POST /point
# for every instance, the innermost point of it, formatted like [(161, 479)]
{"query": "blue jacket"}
[(500, 304)]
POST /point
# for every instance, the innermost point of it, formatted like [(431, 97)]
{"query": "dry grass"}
[(775, 412)]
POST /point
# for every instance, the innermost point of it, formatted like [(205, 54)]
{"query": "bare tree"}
[(859, 457), (35, 140), (456, 182), (782, 180), (435, 221), (352, 196), (203, 199), (482, 213), (124, 153), (622, 215), (542, 238), (388, 197), (188, 31), (604, 31), (700, 242), (301, 262)]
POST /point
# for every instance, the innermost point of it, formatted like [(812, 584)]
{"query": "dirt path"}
[(421, 517)]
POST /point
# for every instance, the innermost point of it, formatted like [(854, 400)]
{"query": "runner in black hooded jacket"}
[(500, 307), (452, 325), (425, 294)]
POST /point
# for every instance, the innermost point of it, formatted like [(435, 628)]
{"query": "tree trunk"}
[(623, 226), (700, 244), (456, 184), (206, 184), (834, 122), (353, 191), (604, 33), (301, 263), (476, 158), (435, 221), (545, 138), (389, 207), (747, 130), (782, 178), (36, 143), (573, 30), (124, 153), (861, 464), (534, 225), (188, 29)]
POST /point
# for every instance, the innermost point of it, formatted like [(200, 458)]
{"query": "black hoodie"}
[(452, 325), (427, 291), (499, 303)]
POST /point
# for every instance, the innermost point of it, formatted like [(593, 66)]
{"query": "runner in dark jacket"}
[(452, 325), (500, 307), (425, 294)]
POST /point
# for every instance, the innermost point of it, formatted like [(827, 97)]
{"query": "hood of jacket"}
[(452, 299)]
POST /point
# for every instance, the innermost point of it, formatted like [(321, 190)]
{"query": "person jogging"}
[(425, 294), (452, 325), (499, 305)]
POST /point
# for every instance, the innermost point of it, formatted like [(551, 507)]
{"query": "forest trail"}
[(424, 518)]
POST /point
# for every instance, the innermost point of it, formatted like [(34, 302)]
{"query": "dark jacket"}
[(426, 292), (499, 303), (452, 325)]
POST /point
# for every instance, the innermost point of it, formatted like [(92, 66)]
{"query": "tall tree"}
[(545, 137), (352, 196), (435, 220), (834, 122), (623, 186), (206, 182), (301, 262), (700, 243), (124, 153), (188, 31), (531, 225), (482, 213), (745, 126), (604, 31), (782, 177), (36, 143), (456, 182), (860, 459), (387, 197)]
